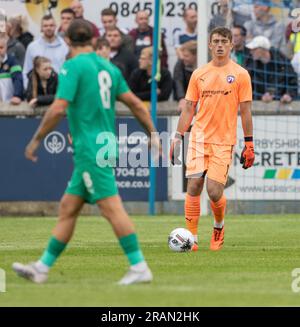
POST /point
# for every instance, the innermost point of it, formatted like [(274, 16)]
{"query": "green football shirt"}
[(91, 85)]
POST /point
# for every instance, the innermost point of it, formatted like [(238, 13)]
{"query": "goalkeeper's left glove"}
[(248, 156), (175, 149)]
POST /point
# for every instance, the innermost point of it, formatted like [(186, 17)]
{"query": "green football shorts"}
[(92, 183)]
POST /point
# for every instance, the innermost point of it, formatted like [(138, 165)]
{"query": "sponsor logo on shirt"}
[(230, 79)]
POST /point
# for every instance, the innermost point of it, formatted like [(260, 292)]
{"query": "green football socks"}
[(130, 246), (52, 252)]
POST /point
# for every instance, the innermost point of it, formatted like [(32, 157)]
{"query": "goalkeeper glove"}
[(175, 149), (248, 156)]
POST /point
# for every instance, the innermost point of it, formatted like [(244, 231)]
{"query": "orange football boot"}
[(195, 247), (217, 239)]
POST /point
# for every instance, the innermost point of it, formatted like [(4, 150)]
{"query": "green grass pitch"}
[(253, 269)]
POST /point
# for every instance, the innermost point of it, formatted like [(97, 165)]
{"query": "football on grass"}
[(181, 240)]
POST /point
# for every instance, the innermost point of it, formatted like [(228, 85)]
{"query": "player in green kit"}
[(87, 91)]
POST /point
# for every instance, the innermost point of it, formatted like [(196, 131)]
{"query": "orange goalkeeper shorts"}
[(212, 159)]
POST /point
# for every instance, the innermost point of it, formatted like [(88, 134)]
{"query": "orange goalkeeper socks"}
[(192, 213), (218, 209)]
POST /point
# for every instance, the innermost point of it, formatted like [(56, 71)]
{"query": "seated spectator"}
[(11, 82), (223, 18), (183, 71), (142, 37), (265, 24), (120, 55), (67, 15), (14, 47), (109, 22), (189, 34), (140, 79), (78, 9), (102, 48), (240, 53), (42, 83), (273, 77), (19, 29), (48, 45)]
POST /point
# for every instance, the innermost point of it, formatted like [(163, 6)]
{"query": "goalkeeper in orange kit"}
[(220, 87)]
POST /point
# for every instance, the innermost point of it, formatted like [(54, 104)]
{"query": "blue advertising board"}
[(46, 180)]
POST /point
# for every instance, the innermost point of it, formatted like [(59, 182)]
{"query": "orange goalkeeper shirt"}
[(220, 90)]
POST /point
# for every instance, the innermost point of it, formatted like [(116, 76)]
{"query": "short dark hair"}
[(224, 31), (80, 32), (68, 11), (115, 29), (108, 12), (47, 17), (101, 42), (242, 29)]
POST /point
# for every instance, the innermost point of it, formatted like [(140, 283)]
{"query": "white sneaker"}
[(30, 272), (135, 276)]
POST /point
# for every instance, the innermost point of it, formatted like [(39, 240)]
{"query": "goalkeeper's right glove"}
[(248, 156), (175, 149)]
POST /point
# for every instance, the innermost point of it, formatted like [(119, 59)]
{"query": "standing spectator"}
[(241, 11), (183, 71), (142, 37), (14, 47), (240, 53), (19, 29), (66, 17), (109, 21), (265, 24), (296, 66), (189, 34), (42, 83), (120, 55), (102, 48), (140, 79), (273, 77), (223, 18), (49, 45), (77, 7), (11, 81)]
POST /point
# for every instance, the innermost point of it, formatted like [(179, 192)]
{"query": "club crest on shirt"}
[(230, 79)]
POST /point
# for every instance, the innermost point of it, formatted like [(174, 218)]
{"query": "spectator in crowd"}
[(240, 52), (19, 29), (190, 32), (265, 24), (109, 21), (140, 79), (273, 77), (77, 7), (296, 65), (142, 37), (11, 81), (183, 71), (120, 55), (49, 45), (223, 18), (241, 11), (42, 83), (66, 17), (102, 48), (14, 47)]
